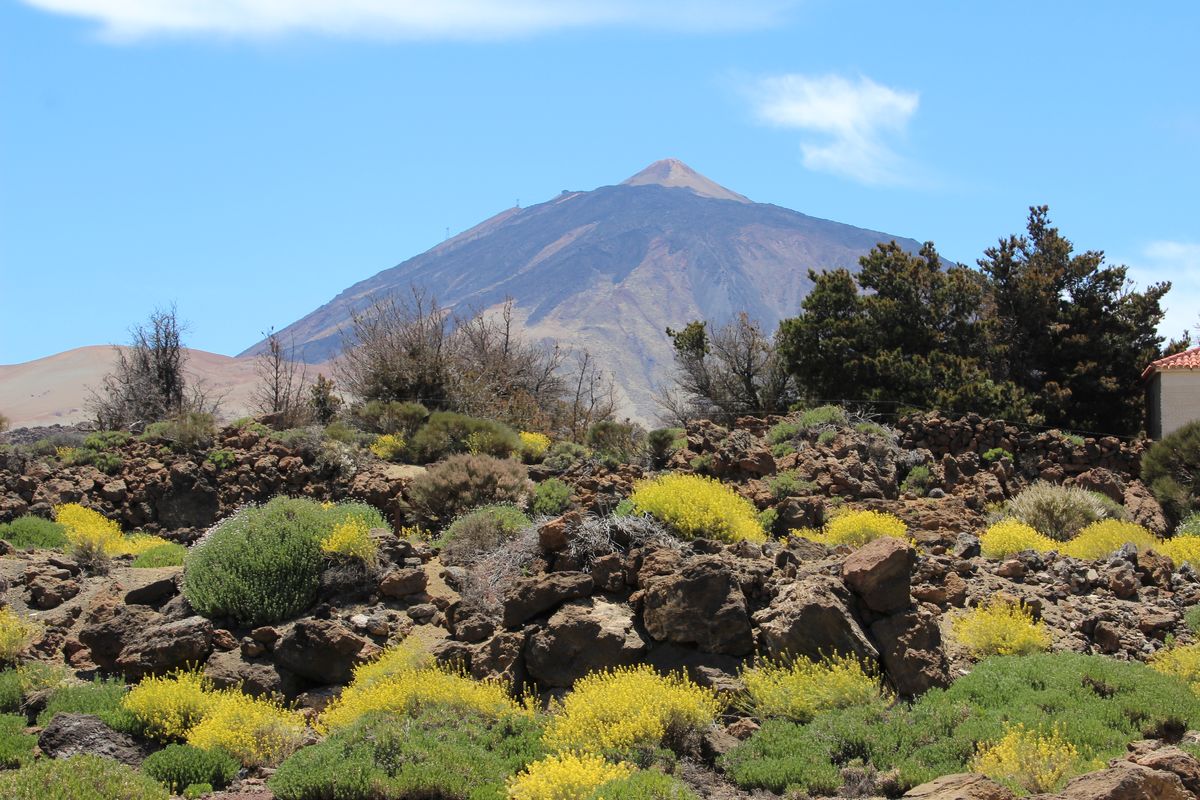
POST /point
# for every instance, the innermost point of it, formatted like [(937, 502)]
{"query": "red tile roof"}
[(1188, 359)]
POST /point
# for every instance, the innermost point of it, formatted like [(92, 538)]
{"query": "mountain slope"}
[(610, 269)]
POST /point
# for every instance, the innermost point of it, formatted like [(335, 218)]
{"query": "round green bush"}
[(34, 532), (260, 566), (551, 498), (480, 531), (79, 778), (463, 482), (446, 433), (1171, 468), (178, 766), (165, 555)]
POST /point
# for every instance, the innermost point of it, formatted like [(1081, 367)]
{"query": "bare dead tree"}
[(147, 383), (593, 396), (732, 371), (282, 382)]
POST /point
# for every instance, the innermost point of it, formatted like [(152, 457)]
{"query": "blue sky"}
[(248, 159)]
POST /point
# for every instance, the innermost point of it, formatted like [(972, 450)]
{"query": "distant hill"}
[(55, 389), (610, 269)]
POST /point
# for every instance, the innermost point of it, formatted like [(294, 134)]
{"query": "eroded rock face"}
[(255, 676), (910, 645), (83, 734), (812, 618), (1126, 781), (137, 641), (583, 636), (964, 786), (530, 597), (701, 604)]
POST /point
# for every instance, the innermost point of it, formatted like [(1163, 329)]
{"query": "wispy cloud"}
[(1179, 263), (850, 124), (403, 19)]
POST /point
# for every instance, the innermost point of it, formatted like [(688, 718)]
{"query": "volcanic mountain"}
[(610, 269)]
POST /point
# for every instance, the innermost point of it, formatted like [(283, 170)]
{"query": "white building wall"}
[(1179, 398)]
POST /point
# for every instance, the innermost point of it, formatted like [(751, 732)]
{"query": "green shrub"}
[(1192, 618), (1060, 511), (1101, 704), (1072, 438), (34, 532), (826, 437), (644, 784), (16, 746), (663, 443), (178, 766), (995, 454), (369, 515), (222, 458), (433, 754), (616, 442), (11, 690), (100, 698), (339, 431), (188, 432), (164, 555), (462, 482), (84, 777), (1190, 526), (382, 417), (563, 455), (788, 483), (821, 416), (106, 440), (1171, 468), (197, 791), (446, 433), (481, 531), (918, 481), (260, 566), (551, 497)]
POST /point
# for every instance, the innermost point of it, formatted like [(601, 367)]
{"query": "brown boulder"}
[(1126, 781), (322, 650), (1143, 509), (581, 637), (812, 618), (257, 677), (964, 786), (910, 645), (403, 582), (83, 734), (880, 573), (530, 597), (702, 604)]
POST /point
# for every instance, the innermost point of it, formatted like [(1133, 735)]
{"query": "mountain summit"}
[(610, 269), (673, 173)]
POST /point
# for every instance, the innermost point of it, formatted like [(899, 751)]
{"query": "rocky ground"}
[(703, 607)]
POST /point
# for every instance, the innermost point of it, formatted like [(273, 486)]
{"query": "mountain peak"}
[(673, 173)]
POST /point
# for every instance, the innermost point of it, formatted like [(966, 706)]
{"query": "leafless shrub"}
[(491, 574), (598, 536), (282, 383)]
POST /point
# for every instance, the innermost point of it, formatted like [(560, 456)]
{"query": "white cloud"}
[(850, 122), (404, 19), (1179, 263)]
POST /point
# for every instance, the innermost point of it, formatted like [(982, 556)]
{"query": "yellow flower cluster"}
[(399, 682), (405, 656), (256, 731), (184, 706), (66, 455), (16, 634), (1029, 760), (570, 776), (389, 446), (628, 708), (91, 531), (534, 446), (352, 537), (856, 528), (168, 707), (1001, 628), (800, 689), (1011, 536), (1107, 536), (1183, 662), (1182, 548), (699, 507)]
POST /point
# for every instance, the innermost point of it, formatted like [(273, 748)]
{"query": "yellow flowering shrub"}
[(1011, 536), (1100, 539), (1001, 628), (628, 708), (407, 691), (1029, 760), (1183, 662), (799, 689), (256, 731), (856, 528), (405, 656), (16, 634), (137, 543), (168, 707), (698, 507), (1180, 549), (534, 446), (352, 537), (389, 446), (569, 776), (90, 531)]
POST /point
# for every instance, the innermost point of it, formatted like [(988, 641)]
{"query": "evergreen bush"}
[(462, 482)]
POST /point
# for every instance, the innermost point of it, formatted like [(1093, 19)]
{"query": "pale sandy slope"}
[(55, 388)]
